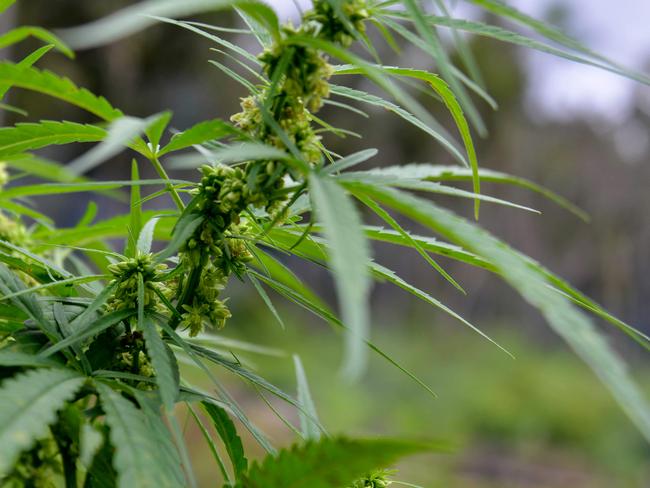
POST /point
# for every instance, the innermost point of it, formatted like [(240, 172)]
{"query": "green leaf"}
[(28, 136), (353, 179), (43, 168), (145, 239), (442, 89), (122, 132), (330, 463), (48, 83), (504, 10), (436, 131), (136, 458), (17, 358), (386, 217), (101, 473), (349, 259), (267, 301), (90, 441), (309, 428), (135, 215), (18, 34), (164, 363), (532, 283), (433, 172), (185, 227), (245, 151), (324, 313), (156, 128), (351, 160), (59, 188), (438, 53), (139, 16), (28, 405), (5, 4), (228, 434), (209, 130), (83, 331), (211, 444), (421, 44)]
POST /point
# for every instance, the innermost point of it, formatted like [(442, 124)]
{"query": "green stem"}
[(163, 174)]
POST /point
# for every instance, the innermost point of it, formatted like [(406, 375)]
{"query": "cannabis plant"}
[(91, 336)]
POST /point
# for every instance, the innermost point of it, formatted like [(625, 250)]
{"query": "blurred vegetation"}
[(540, 420)]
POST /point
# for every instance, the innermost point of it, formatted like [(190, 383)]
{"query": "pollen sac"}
[(378, 479), (126, 278), (330, 26)]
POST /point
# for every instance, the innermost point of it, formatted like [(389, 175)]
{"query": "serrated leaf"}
[(145, 239), (329, 463), (532, 283), (48, 83), (28, 136), (349, 259), (28, 405), (158, 424), (163, 363), (156, 128), (228, 434), (136, 446), (19, 33), (208, 130)]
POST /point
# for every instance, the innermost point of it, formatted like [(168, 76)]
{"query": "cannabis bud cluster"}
[(298, 77)]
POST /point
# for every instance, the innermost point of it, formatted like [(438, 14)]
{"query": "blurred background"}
[(541, 420)]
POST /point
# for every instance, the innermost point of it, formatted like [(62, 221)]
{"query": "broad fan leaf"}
[(329, 463), (136, 445), (349, 259), (28, 405)]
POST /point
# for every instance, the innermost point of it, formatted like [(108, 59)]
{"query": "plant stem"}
[(163, 174)]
